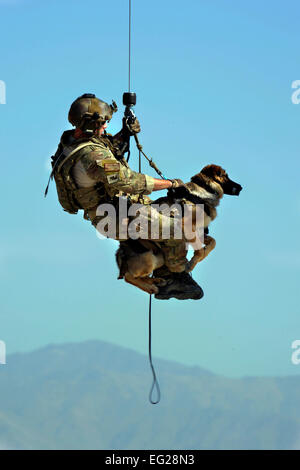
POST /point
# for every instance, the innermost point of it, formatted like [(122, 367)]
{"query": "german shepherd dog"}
[(137, 259)]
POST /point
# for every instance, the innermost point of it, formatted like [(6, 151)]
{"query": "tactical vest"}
[(70, 196)]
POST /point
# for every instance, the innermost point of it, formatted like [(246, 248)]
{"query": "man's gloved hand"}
[(177, 182), (178, 189), (133, 128)]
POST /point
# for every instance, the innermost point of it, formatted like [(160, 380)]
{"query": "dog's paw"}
[(188, 267), (159, 281), (197, 258), (153, 289)]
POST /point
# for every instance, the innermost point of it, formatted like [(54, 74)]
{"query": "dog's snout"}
[(232, 188), (236, 190)]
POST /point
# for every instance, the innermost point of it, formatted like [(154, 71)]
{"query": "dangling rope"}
[(155, 382)]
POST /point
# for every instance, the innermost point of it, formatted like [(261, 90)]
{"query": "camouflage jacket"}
[(93, 174)]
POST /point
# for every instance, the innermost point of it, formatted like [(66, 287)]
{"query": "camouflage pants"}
[(147, 224)]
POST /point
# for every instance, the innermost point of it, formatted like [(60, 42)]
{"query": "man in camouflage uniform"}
[(89, 169)]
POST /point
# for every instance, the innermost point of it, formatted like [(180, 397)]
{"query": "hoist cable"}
[(129, 51)]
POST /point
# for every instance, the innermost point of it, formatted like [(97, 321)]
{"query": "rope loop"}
[(155, 384)]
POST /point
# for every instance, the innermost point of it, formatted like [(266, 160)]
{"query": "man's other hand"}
[(133, 128)]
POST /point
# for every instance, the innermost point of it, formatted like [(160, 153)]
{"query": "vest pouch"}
[(64, 196), (88, 198)]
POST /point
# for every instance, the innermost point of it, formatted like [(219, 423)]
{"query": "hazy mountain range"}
[(94, 395)]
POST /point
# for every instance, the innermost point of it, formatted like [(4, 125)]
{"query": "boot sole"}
[(180, 296)]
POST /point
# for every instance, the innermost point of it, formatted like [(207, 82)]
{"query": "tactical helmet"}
[(89, 109)]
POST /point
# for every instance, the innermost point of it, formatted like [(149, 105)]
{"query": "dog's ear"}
[(212, 171)]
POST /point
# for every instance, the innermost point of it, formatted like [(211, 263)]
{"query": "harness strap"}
[(68, 152)]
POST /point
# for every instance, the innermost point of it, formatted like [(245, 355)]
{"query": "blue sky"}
[(213, 81)]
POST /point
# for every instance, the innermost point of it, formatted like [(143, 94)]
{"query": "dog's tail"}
[(121, 259)]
